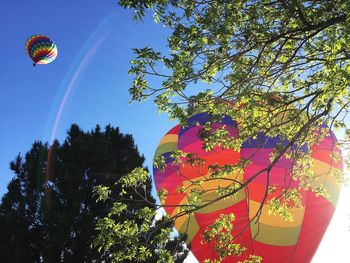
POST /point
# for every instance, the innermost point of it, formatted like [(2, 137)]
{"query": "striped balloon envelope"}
[(41, 49), (273, 238)]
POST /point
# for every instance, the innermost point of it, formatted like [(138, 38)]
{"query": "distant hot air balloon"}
[(41, 49), (274, 239)]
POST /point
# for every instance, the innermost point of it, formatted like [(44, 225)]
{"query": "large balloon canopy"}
[(41, 49), (273, 238)]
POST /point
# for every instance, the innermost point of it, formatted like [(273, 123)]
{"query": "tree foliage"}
[(291, 55), (280, 68), (141, 235), (49, 213)]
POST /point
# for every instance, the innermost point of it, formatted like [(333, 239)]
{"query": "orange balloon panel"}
[(272, 238)]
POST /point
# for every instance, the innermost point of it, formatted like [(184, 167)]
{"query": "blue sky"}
[(88, 85), (88, 82)]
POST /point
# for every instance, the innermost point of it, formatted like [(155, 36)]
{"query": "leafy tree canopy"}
[(271, 56), (280, 68)]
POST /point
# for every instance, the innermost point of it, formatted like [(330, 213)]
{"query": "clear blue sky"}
[(88, 82)]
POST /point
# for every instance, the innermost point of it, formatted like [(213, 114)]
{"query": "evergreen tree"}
[(49, 213)]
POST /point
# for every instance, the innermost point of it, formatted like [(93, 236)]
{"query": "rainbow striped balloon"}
[(274, 239), (41, 49)]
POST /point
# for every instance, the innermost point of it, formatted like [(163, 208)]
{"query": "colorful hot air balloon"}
[(274, 239), (41, 49)]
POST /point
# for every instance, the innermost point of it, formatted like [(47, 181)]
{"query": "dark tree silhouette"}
[(49, 213)]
